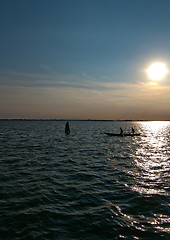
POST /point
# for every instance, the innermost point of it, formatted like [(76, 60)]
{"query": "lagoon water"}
[(84, 185)]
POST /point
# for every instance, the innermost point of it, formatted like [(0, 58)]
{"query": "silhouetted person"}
[(133, 130), (121, 131), (67, 128)]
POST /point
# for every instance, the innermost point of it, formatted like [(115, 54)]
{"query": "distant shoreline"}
[(94, 120)]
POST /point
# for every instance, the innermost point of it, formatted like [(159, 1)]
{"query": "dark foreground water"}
[(84, 185)]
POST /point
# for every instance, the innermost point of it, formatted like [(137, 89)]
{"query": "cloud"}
[(45, 67), (71, 96)]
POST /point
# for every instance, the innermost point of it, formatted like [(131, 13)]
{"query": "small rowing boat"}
[(122, 135)]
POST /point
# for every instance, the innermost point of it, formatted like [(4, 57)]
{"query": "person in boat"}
[(121, 131), (133, 130), (67, 128)]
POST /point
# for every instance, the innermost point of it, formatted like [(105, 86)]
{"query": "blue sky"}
[(81, 59)]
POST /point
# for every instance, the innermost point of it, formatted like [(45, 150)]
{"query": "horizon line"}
[(62, 119)]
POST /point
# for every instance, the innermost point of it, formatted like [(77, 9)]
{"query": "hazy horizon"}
[(64, 120)]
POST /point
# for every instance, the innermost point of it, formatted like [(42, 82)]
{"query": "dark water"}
[(84, 185)]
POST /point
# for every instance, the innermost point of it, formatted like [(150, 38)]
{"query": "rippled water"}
[(84, 185)]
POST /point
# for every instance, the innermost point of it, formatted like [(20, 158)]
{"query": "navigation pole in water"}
[(67, 128)]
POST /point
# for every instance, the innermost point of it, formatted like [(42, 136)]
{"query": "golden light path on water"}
[(152, 164), (151, 157)]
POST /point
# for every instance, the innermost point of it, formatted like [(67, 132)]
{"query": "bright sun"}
[(157, 71)]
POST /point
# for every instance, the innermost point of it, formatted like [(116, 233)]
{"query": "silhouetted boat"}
[(122, 135)]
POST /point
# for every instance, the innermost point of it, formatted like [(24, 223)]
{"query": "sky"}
[(84, 59)]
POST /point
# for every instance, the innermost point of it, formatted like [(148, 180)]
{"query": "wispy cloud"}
[(80, 96)]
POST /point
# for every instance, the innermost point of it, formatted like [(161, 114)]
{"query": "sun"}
[(157, 71)]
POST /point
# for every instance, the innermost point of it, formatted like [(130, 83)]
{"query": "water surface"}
[(84, 185)]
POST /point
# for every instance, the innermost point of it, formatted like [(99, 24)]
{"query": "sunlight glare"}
[(151, 158), (157, 71), (153, 127)]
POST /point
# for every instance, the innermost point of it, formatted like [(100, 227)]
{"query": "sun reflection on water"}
[(152, 158)]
